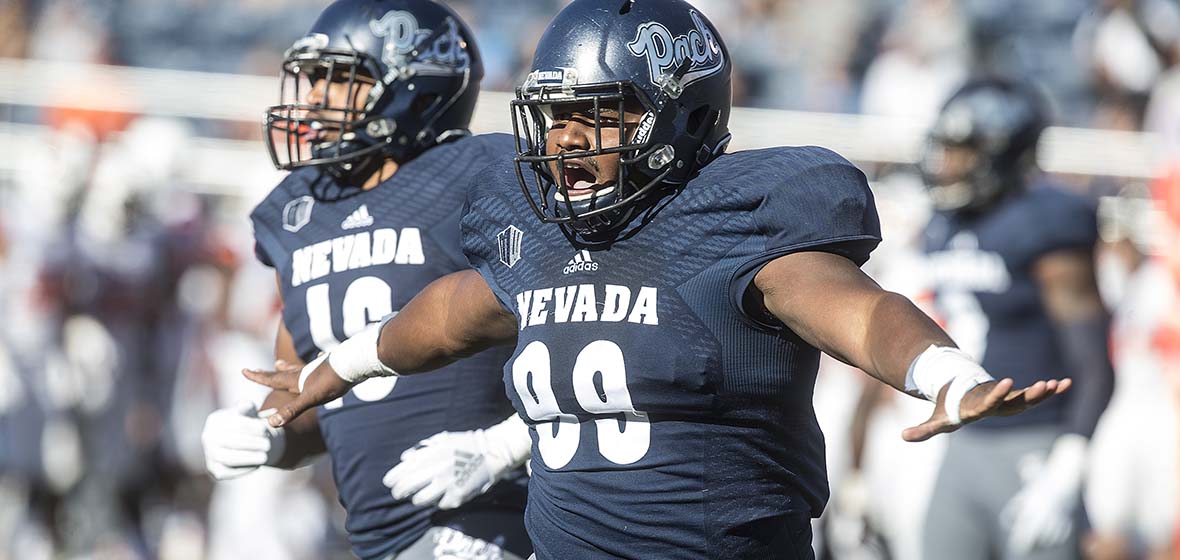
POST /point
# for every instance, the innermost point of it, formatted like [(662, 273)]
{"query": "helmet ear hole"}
[(696, 119), (424, 103)]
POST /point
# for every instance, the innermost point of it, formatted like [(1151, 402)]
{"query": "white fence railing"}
[(171, 93)]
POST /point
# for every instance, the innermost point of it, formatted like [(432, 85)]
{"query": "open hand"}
[(995, 398), (320, 385)]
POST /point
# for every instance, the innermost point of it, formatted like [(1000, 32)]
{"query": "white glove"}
[(238, 440), (450, 468), (1041, 515)]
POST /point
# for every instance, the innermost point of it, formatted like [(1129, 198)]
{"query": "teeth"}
[(584, 196)]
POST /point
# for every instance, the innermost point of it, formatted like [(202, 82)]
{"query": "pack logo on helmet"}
[(313, 42), (409, 49), (665, 52)]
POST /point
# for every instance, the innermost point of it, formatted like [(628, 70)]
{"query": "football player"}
[(667, 303), (1011, 262), (372, 124)]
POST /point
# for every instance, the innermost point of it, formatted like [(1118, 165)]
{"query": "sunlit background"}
[(131, 155)]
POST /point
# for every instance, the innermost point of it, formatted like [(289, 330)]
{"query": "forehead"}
[(631, 108)]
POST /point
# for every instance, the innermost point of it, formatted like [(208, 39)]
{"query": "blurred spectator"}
[(923, 58), (1129, 43), (1030, 42), (13, 28), (1163, 115), (70, 31)]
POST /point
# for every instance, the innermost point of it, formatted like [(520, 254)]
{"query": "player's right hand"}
[(237, 440), (315, 383), (995, 398)]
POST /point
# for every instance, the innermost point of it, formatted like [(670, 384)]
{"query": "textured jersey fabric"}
[(348, 258), (669, 421)]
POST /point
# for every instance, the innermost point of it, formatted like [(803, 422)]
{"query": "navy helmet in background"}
[(407, 76), (983, 144)]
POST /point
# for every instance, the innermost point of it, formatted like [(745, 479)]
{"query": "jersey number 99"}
[(558, 433)]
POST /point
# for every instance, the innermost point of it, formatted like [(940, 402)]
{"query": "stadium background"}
[(130, 155)]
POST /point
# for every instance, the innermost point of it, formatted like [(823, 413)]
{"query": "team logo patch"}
[(408, 49), (580, 262), (358, 219), (665, 52), (297, 213), (509, 242)]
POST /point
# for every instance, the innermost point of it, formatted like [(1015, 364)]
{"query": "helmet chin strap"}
[(357, 172)]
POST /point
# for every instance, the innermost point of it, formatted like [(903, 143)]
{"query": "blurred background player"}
[(1011, 262), (1132, 492), (372, 124)]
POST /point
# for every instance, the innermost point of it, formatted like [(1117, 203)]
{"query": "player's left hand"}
[(320, 385), (995, 398), (450, 468)]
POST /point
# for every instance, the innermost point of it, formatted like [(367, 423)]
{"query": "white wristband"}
[(937, 366), (958, 389), (308, 368), (355, 359)]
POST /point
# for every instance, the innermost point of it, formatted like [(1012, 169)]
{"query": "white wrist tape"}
[(937, 366), (958, 389), (308, 368), (355, 359)]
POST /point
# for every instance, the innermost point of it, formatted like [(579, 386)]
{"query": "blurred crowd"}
[(131, 299)]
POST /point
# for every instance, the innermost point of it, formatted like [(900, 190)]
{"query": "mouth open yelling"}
[(580, 184)]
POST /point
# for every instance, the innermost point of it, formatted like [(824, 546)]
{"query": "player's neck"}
[(382, 173)]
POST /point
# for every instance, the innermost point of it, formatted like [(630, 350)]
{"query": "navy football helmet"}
[(660, 58), (983, 144), (371, 80)]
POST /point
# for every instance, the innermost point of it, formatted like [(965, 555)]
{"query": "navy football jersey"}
[(981, 269), (349, 260), (668, 421)]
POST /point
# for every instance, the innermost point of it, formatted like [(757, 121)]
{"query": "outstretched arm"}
[(454, 317), (829, 302)]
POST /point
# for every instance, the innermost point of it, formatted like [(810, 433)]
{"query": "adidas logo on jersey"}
[(358, 219), (580, 262)]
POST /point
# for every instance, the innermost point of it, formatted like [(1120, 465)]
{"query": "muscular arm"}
[(1069, 292), (454, 317), (827, 301), (830, 303)]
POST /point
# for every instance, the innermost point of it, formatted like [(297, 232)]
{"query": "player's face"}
[(573, 130), (333, 96), (949, 164)]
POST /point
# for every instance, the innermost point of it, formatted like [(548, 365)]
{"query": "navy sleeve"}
[(447, 234), (484, 239), (822, 204), (1066, 221), (266, 247), (260, 254)]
